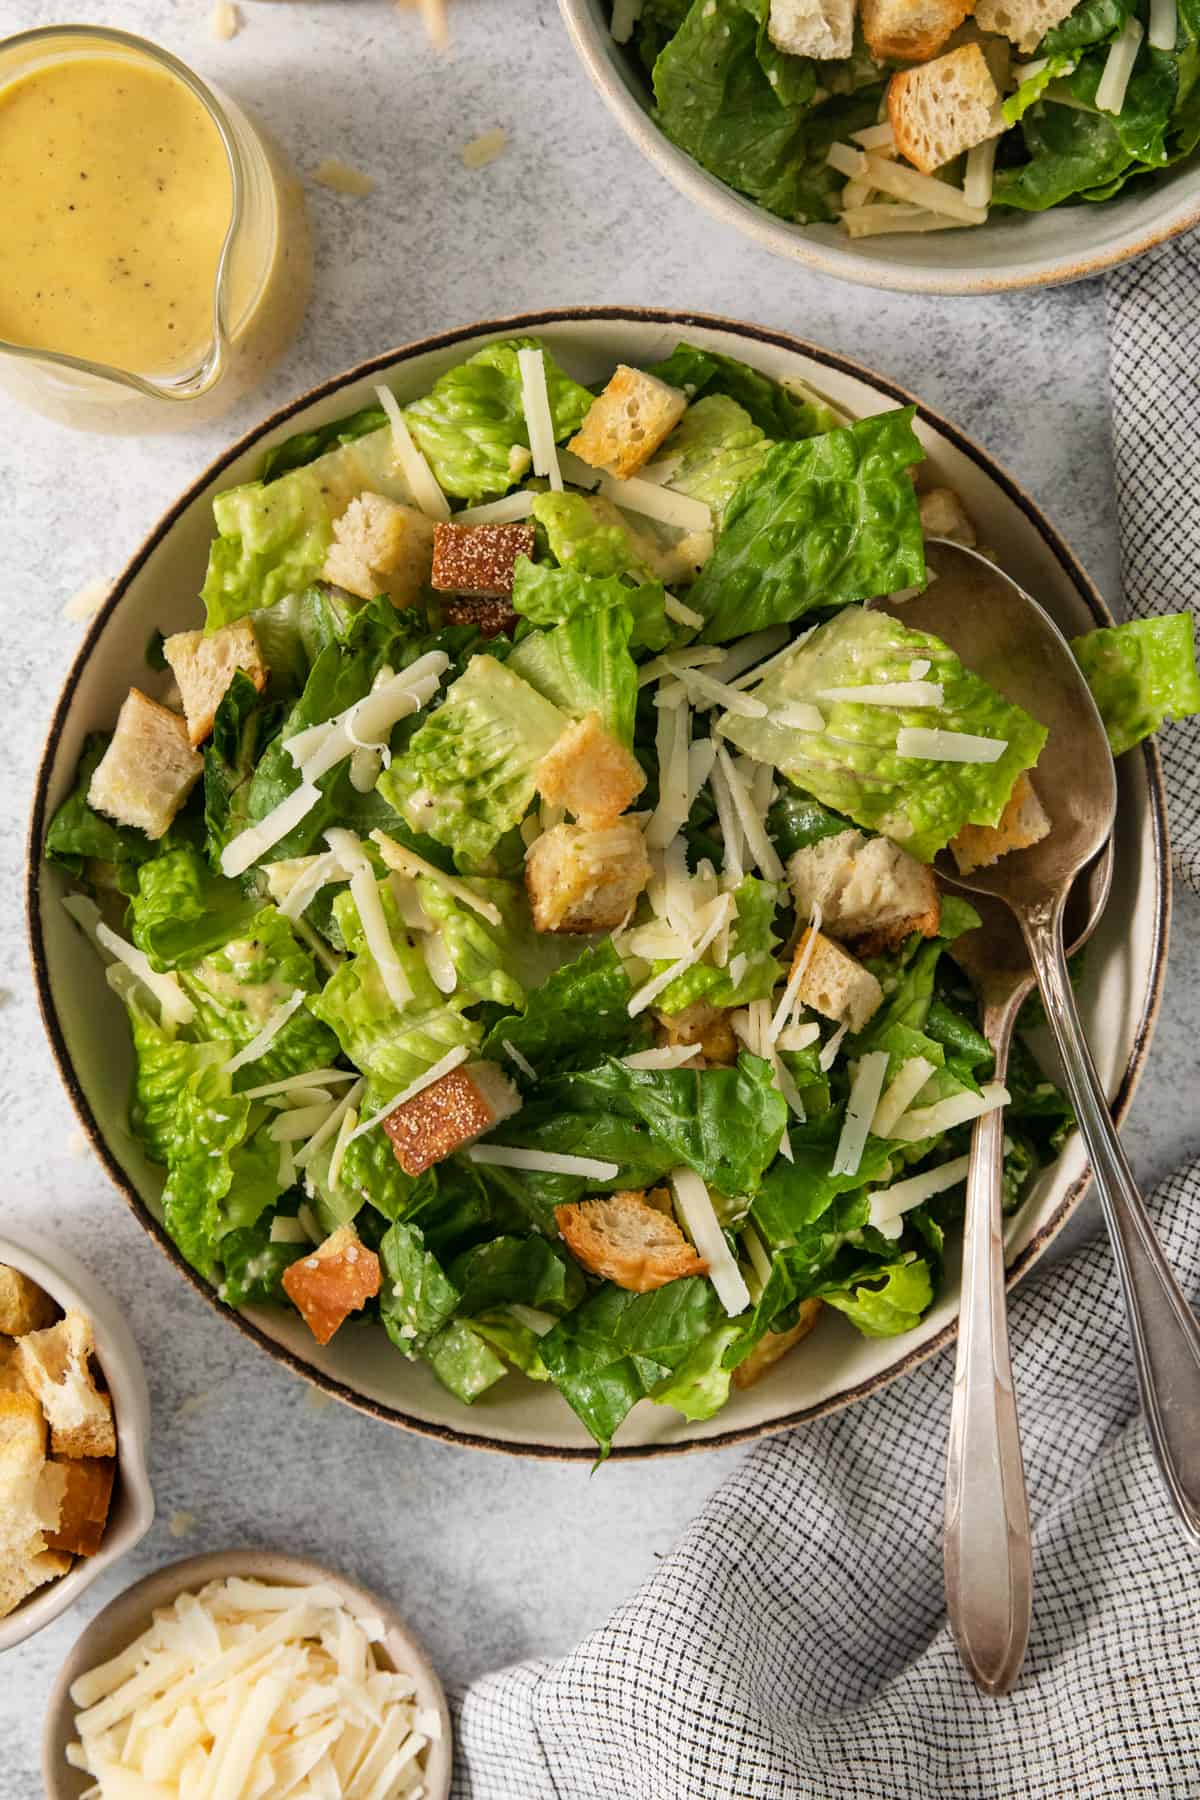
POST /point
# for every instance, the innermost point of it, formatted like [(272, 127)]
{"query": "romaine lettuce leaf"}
[(796, 820), (580, 1011), (466, 776), (163, 1066), (515, 1342), (417, 1297), (699, 1386), (721, 447), (484, 955), (884, 1302), (549, 596), (182, 911), (243, 729), (723, 1123), (472, 419), (587, 533), (236, 988), (751, 937), (1051, 68), (584, 666), (252, 1266), (272, 536), (546, 1125), (77, 836), (824, 521), (217, 1181), (463, 1361), (780, 410), (305, 446), (853, 766), (1141, 674), (530, 1270), (1092, 22)]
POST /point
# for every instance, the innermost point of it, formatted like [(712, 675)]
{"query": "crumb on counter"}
[(181, 1523), (341, 178), (433, 17), (225, 20), (485, 148), (87, 602)]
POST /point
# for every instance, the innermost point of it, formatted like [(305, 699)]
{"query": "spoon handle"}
[(1163, 1328), (987, 1550)]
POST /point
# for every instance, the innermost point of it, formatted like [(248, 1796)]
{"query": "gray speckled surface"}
[(491, 1558)]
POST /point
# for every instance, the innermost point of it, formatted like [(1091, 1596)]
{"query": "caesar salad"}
[(520, 888), (894, 116)]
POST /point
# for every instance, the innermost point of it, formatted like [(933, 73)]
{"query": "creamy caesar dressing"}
[(118, 197)]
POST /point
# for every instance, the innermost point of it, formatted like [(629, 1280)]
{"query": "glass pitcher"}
[(262, 278)]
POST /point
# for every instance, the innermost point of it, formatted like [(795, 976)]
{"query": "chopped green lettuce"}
[(305, 446), (183, 911), (78, 838), (485, 956), (463, 1361), (1051, 68), (1141, 674), (780, 409), (578, 1013), (238, 987), (752, 938), (853, 764), (584, 666), (472, 420), (720, 447), (549, 596), (825, 521), (885, 1301), (466, 776), (528, 1270)]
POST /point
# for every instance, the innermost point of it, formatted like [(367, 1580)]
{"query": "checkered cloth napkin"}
[(795, 1642)]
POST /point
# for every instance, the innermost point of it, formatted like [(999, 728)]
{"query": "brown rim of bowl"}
[(784, 238), (525, 322)]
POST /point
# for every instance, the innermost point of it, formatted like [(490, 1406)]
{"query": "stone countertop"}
[(491, 1558)]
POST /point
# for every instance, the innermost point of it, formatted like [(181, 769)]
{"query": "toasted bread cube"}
[(380, 547), (479, 561), (626, 1239), (204, 665), (449, 1114), (23, 1304), (1024, 22), (823, 29), (701, 1024), (943, 515), (84, 1503), (30, 1568), (149, 768), (768, 1350), (626, 424), (22, 1428), (911, 30), (489, 617), (1023, 822), (25, 1505), (338, 1278), (943, 108), (590, 773), (869, 891), (835, 984), (57, 1365), (583, 881)]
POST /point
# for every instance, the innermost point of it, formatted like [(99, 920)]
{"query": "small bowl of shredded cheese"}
[(247, 1675)]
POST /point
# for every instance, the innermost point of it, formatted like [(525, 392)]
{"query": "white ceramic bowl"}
[(126, 1617), (1013, 250), (87, 1026), (65, 1279)]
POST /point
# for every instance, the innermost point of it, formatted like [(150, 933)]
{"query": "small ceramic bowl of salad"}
[(927, 146), (492, 934)]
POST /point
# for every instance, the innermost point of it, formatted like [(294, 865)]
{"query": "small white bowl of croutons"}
[(75, 1495)]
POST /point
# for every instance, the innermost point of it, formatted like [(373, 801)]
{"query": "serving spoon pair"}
[(1003, 635)]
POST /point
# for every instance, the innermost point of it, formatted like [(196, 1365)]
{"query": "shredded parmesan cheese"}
[(543, 1162), (930, 1121), (1164, 24), (251, 845), (921, 190), (753, 829), (706, 691), (889, 1203), (900, 1094), (876, 137), (695, 1207), (847, 161), (331, 1123), (364, 890), (174, 1004), (980, 173), (522, 1062), (788, 1003), (1110, 94), (925, 745), (799, 715), (865, 1089), (407, 862), (579, 473), (87, 602), (655, 502), (499, 512), (535, 403), (341, 178), (670, 1056), (411, 461), (263, 1040), (682, 615), (625, 15), (722, 909), (888, 693)]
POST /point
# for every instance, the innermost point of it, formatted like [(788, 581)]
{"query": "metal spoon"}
[(987, 1546), (1005, 636)]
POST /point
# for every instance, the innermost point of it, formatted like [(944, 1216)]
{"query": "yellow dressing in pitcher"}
[(117, 200)]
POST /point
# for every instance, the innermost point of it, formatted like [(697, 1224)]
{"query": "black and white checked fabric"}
[(794, 1643)]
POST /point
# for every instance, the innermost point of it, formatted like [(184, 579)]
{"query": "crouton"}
[(626, 424), (25, 1506), (57, 1365), (380, 547), (1024, 22), (768, 1350), (943, 108), (83, 1505), (944, 516), (701, 1024), (870, 893), (23, 1305), (449, 1114), (149, 768), (835, 985), (478, 561), (823, 29), (583, 881), (22, 1430), (590, 774), (910, 30), (204, 666), (489, 617), (339, 1277), (31, 1568), (1023, 822), (623, 1238)]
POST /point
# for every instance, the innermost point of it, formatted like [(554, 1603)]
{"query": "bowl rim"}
[(378, 365), (126, 1613), (69, 1283), (784, 238)]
